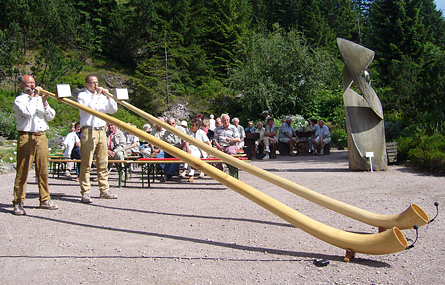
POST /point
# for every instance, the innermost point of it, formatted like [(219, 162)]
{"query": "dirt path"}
[(205, 233)]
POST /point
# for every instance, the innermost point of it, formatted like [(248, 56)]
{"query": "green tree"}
[(396, 31), (283, 74), (129, 31), (434, 21), (314, 24), (9, 49), (150, 91), (225, 25), (340, 17), (96, 15), (179, 25), (51, 65)]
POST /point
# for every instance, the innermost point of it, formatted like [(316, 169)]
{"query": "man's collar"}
[(89, 92)]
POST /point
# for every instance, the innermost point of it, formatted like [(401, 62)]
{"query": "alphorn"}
[(386, 242), (414, 215)]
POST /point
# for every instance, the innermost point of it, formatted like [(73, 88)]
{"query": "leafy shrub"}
[(128, 117), (405, 144), (8, 125), (7, 98), (393, 130), (339, 137), (429, 154)]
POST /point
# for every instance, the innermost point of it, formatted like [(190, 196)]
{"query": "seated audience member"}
[(132, 146), (116, 143), (250, 128), (265, 116), (263, 140), (287, 135), (69, 143), (211, 135), (206, 126), (313, 126), (184, 125), (226, 138), (212, 122), (196, 132), (75, 153), (174, 140), (271, 133), (322, 137), (146, 147), (158, 132), (242, 134)]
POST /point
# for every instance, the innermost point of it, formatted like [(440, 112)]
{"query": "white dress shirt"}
[(96, 102), (31, 115)]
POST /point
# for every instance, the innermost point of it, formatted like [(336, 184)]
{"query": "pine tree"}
[(396, 30), (314, 25), (226, 23)]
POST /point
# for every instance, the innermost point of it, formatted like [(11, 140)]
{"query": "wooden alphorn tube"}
[(413, 215), (386, 242)]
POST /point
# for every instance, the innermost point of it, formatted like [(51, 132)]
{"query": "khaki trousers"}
[(93, 142), (31, 147)]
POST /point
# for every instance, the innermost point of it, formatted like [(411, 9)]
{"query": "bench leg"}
[(233, 171), (119, 172)]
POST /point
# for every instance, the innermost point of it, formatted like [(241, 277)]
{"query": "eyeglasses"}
[(94, 82)]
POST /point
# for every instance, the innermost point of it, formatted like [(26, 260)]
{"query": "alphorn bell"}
[(386, 242), (414, 215)]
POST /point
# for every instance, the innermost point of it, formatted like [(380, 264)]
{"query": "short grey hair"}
[(225, 115)]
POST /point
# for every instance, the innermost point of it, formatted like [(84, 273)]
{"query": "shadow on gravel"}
[(307, 170), (76, 199), (307, 256)]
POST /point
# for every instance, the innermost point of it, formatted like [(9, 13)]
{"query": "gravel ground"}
[(205, 233)]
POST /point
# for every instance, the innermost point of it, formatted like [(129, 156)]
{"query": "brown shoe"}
[(48, 205), (191, 179), (107, 195)]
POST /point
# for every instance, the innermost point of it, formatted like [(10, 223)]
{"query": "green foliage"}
[(151, 90), (393, 130), (429, 154), (404, 145), (7, 151), (128, 31), (225, 25), (9, 49), (396, 31), (281, 73), (339, 137), (8, 125), (7, 101), (128, 117), (51, 65), (65, 114)]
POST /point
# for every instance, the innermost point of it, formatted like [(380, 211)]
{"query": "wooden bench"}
[(149, 166), (56, 162), (391, 152), (250, 140)]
